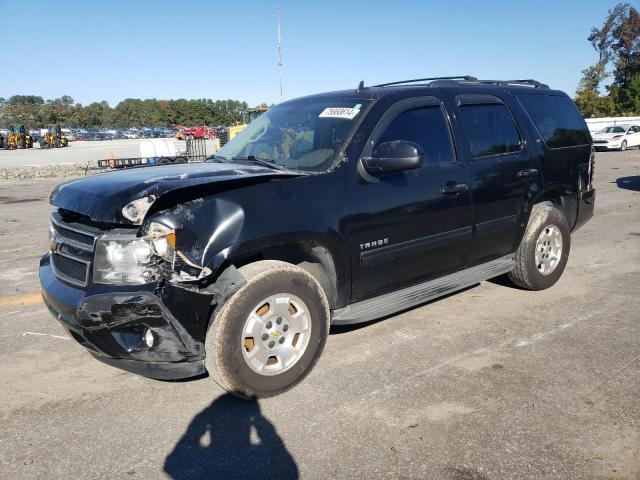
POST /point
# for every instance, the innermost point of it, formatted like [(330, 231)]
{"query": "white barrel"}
[(157, 147)]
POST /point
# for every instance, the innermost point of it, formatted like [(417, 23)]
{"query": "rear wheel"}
[(268, 336), (544, 250)]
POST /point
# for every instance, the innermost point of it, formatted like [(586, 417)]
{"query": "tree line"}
[(34, 111), (617, 44)]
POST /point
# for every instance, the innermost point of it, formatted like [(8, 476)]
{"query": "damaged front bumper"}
[(111, 322)]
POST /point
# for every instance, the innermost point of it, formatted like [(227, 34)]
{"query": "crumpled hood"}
[(101, 197)]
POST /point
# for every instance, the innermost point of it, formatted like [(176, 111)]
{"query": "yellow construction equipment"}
[(54, 138), (19, 139), (248, 116)]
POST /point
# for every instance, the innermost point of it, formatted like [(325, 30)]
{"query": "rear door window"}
[(491, 129), (425, 126), (557, 119)]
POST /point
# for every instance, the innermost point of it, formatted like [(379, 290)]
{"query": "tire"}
[(623, 146), (165, 161), (227, 346), (529, 273)]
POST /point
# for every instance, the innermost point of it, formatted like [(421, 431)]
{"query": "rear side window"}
[(557, 119), (425, 126), (491, 129)]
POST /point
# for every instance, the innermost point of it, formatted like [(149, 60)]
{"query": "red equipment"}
[(200, 131)]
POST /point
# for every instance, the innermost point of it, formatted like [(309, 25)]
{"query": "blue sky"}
[(117, 49)]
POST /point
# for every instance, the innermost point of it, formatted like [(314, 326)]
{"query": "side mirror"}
[(394, 156)]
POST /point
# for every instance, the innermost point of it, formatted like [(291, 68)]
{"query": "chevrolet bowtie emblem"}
[(277, 333), (53, 246)]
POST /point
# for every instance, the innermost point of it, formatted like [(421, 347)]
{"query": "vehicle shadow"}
[(629, 183), (230, 439)]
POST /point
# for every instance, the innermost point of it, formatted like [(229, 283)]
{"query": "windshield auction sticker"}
[(340, 112)]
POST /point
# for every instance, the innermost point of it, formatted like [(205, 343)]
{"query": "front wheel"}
[(544, 249), (268, 336), (623, 146)]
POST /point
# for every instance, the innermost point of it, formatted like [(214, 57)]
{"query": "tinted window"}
[(491, 130), (426, 127), (557, 119)]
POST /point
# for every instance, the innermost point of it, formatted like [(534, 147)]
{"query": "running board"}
[(393, 302)]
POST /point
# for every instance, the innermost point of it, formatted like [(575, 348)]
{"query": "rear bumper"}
[(111, 322), (586, 206)]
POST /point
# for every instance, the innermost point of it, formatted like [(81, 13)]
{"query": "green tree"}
[(617, 43)]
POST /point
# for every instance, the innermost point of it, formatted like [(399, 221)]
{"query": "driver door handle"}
[(454, 188), (530, 172)]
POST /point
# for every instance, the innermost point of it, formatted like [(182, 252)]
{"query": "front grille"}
[(73, 235), (70, 269), (71, 249), (600, 141)]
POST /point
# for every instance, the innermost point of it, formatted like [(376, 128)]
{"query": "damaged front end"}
[(130, 295)]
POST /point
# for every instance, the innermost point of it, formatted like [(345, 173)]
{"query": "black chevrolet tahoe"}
[(335, 208)]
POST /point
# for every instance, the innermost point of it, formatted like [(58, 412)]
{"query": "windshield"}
[(303, 134), (612, 130)]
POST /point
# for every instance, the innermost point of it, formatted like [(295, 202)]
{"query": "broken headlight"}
[(163, 241), (123, 260)]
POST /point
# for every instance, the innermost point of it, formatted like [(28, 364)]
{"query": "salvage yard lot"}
[(78, 153), (491, 383)]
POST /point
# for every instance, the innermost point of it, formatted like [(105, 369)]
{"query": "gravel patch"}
[(48, 171)]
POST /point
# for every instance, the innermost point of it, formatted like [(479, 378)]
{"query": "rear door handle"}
[(454, 189), (530, 172)]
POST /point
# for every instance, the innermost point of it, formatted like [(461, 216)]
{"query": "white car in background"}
[(617, 137)]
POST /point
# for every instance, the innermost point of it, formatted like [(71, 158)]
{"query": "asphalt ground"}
[(490, 383)]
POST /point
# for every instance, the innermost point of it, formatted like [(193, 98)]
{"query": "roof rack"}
[(466, 79), (528, 82), (416, 80)]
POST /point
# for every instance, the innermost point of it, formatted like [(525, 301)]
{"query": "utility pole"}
[(279, 52)]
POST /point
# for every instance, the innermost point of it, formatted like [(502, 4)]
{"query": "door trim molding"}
[(370, 258), (496, 225), (393, 302)]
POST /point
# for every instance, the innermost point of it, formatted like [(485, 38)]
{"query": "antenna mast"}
[(279, 51)]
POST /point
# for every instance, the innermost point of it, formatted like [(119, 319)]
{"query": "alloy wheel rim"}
[(276, 334), (548, 249)]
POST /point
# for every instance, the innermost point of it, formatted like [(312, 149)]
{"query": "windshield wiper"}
[(259, 161)]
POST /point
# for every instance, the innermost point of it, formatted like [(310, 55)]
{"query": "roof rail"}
[(416, 80), (530, 82), (466, 79)]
